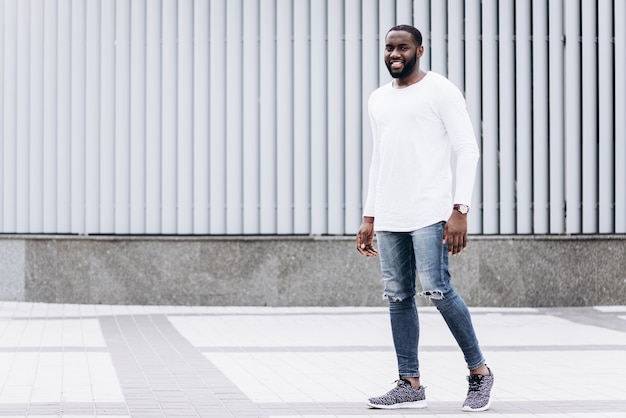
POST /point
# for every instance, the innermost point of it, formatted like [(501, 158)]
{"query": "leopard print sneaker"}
[(402, 396), (479, 392)]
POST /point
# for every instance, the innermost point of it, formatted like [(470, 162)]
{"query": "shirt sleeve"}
[(453, 111), (370, 203)]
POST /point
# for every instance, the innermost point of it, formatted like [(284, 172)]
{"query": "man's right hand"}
[(365, 237)]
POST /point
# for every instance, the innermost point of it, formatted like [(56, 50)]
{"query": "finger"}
[(371, 251), (461, 243), (362, 247), (450, 241), (454, 247), (368, 252)]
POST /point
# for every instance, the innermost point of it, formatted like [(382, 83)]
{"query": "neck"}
[(416, 77)]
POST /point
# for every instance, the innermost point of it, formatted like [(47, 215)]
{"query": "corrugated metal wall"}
[(248, 116)]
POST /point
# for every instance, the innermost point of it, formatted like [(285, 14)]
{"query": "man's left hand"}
[(455, 233)]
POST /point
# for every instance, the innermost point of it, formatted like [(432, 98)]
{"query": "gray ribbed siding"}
[(249, 116)]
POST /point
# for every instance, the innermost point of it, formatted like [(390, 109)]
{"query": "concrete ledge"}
[(300, 271)]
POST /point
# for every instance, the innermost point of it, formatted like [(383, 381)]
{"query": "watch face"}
[(463, 209)]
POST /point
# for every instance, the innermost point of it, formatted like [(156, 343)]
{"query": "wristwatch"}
[(463, 209)]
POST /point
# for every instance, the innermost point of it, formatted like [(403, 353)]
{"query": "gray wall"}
[(296, 271), (233, 117)]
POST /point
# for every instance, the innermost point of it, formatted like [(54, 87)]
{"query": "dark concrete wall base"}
[(300, 271)]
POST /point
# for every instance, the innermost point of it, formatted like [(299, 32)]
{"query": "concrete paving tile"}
[(147, 414), (141, 403), (307, 362), (140, 412), (180, 412), (139, 394), (120, 411)]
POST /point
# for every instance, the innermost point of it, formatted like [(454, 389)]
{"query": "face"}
[(401, 54)]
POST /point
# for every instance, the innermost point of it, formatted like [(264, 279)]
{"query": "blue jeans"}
[(421, 253)]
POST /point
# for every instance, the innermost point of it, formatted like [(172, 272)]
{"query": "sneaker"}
[(479, 393), (402, 396)]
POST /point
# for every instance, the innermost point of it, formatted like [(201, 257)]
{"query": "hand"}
[(365, 237), (455, 233)]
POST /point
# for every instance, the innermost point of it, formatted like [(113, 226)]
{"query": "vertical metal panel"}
[(533, 126), (490, 118), (404, 12), (301, 117), (572, 117), (589, 117), (455, 65), (620, 117), (267, 150), (456, 56), (421, 20), (9, 128), (153, 117), (35, 187), (77, 123), (107, 117), (138, 117), (524, 118), (336, 117), (556, 110), (168, 117), (540, 159), (201, 118), (92, 117), (438, 44), (506, 99), (184, 122), (606, 133), (319, 144), (284, 117), (217, 124), (473, 97), (122, 116), (370, 53), (2, 98), (386, 20), (49, 67), (64, 209), (22, 178), (234, 123), (251, 91), (353, 126)]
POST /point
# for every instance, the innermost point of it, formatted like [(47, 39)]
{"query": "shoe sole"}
[(484, 408), (403, 405)]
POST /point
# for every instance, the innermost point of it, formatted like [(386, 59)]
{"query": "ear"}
[(420, 51)]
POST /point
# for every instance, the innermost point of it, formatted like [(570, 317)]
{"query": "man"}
[(418, 120)]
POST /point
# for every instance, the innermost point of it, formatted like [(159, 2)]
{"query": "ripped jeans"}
[(421, 253)]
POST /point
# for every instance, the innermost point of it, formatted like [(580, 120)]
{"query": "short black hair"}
[(417, 35)]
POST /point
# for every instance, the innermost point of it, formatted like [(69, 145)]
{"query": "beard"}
[(406, 69)]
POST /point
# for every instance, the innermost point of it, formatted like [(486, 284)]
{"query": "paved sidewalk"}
[(155, 361)]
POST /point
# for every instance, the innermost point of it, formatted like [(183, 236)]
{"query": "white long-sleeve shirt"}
[(415, 130)]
